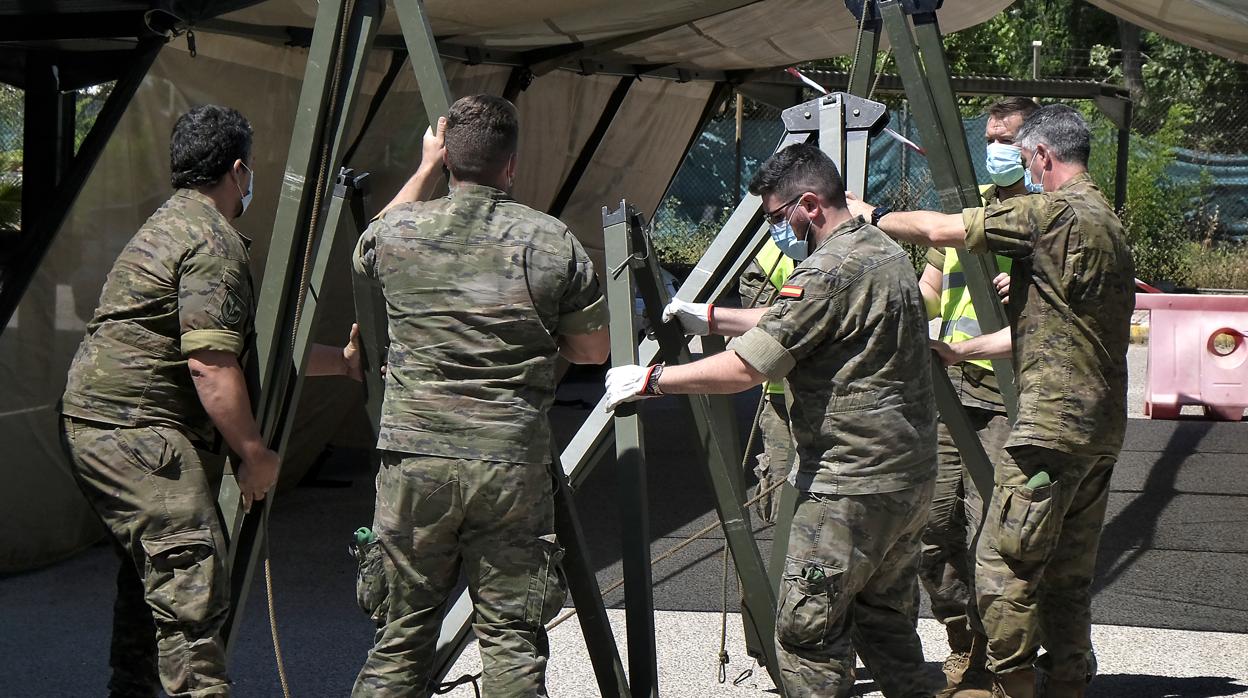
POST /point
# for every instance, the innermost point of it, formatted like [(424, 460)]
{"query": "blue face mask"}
[(782, 234), (1033, 187), (1005, 164)]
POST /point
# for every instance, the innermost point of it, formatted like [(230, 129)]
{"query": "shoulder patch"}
[(789, 291)]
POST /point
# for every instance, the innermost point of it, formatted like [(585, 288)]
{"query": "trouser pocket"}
[(371, 587), (1028, 526), (548, 588), (808, 594), (182, 580)]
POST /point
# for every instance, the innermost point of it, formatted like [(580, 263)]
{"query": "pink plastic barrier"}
[(1197, 354)]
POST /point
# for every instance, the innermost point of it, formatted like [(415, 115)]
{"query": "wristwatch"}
[(651, 386), (879, 212)]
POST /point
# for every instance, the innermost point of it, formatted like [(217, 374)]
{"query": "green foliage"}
[(680, 242), (10, 191)]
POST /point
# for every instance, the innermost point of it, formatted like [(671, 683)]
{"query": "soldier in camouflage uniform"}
[(156, 372), (947, 564), (759, 285), (482, 294), (848, 334), (1071, 297)]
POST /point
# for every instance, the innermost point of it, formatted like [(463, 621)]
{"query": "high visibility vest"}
[(778, 267), (957, 314)]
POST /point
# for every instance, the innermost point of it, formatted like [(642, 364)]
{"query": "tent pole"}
[(43, 217), (625, 251), (283, 328), (957, 190)]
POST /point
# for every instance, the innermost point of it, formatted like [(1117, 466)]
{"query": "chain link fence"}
[(1187, 205), (87, 105)]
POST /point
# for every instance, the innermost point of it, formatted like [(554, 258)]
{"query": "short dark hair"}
[(796, 169), (1062, 129), (1012, 105), (482, 133), (205, 143)]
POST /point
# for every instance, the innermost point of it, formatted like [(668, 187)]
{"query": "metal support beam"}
[(1123, 157), (625, 253), (341, 42), (859, 82), (586, 156), (42, 220), (586, 595), (931, 98), (722, 458), (435, 93)]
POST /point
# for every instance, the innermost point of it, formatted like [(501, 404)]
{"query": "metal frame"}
[(47, 199), (302, 239), (626, 255)]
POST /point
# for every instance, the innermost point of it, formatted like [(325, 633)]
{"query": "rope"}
[(723, 621), (862, 21), (672, 551), (879, 73), (277, 642)]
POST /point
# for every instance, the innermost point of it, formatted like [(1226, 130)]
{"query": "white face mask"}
[(250, 185)]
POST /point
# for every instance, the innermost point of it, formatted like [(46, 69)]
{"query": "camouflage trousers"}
[(436, 517), (1036, 558), (947, 563), (149, 487), (776, 459), (850, 584)]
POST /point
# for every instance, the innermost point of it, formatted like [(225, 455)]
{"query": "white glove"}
[(625, 384), (695, 318)]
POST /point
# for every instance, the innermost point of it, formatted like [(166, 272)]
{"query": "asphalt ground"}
[(1171, 603)]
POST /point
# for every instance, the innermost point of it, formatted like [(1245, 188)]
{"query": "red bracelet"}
[(710, 318)]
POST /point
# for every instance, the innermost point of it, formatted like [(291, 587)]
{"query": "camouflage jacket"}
[(182, 284), (848, 333), (1072, 290), (478, 289)]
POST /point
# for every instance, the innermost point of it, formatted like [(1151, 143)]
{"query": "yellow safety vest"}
[(771, 259), (957, 314)]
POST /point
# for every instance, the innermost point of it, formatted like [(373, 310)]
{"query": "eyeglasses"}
[(776, 216)]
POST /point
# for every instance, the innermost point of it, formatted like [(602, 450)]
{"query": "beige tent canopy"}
[(633, 81), (1217, 26)]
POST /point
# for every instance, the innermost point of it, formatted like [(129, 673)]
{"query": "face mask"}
[(1005, 164), (250, 184), (1033, 187), (782, 234)]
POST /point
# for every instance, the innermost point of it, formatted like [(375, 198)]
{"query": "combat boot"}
[(1016, 684), (968, 670), (959, 660)]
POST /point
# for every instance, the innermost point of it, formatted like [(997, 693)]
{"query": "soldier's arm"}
[(724, 373), (996, 345), (326, 360), (222, 390), (926, 228), (930, 285), (734, 322), (592, 348)]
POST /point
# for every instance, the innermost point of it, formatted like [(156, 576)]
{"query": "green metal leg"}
[(926, 76), (282, 331), (630, 460)]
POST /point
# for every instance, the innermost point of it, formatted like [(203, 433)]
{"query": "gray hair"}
[(1061, 129)]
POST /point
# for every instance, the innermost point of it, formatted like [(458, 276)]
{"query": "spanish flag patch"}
[(794, 292)]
